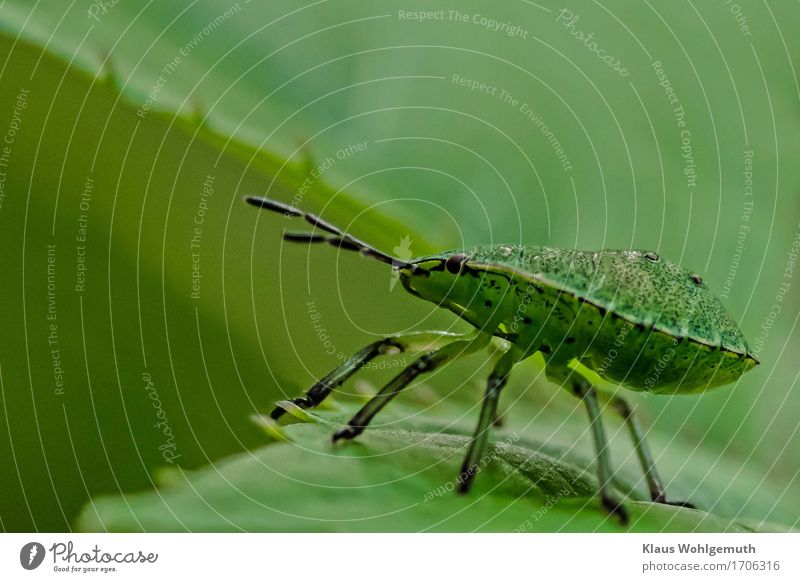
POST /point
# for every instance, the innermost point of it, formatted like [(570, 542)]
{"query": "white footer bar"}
[(401, 557)]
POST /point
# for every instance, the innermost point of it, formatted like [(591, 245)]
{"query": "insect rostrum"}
[(633, 317)]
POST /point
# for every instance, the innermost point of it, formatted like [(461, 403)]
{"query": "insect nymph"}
[(632, 317)]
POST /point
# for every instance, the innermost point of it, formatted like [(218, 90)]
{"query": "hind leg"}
[(654, 483)]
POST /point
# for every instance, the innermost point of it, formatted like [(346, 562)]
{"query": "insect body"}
[(631, 317), (577, 305)]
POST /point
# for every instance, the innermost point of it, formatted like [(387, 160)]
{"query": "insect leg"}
[(654, 483), (319, 391), (425, 363), (477, 446), (583, 389), (412, 342)]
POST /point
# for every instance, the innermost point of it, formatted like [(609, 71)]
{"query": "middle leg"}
[(425, 363), (654, 483), (584, 390), (480, 439)]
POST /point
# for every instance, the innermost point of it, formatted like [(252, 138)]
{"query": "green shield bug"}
[(631, 317)]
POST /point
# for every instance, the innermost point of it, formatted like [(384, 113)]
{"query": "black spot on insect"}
[(455, 263), (544, 348), (487, 303), (696, 278), (570, 340), (651, 256), (526, 320)]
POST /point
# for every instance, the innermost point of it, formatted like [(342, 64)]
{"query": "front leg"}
[(411, 342)]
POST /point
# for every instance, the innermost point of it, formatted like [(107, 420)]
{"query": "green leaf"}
[(84, 164), (389, 479)]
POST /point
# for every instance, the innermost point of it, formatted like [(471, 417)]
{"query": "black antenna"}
[(336, 236)]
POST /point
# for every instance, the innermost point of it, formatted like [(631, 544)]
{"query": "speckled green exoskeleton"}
[(630, 317)]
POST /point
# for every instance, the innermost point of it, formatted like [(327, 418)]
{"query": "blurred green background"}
[(138, 126)]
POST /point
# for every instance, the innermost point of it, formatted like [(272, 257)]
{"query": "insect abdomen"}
[(563, 326)]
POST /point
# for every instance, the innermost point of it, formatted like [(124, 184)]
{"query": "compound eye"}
[(454, 263), (651, 256), (696, 278)]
